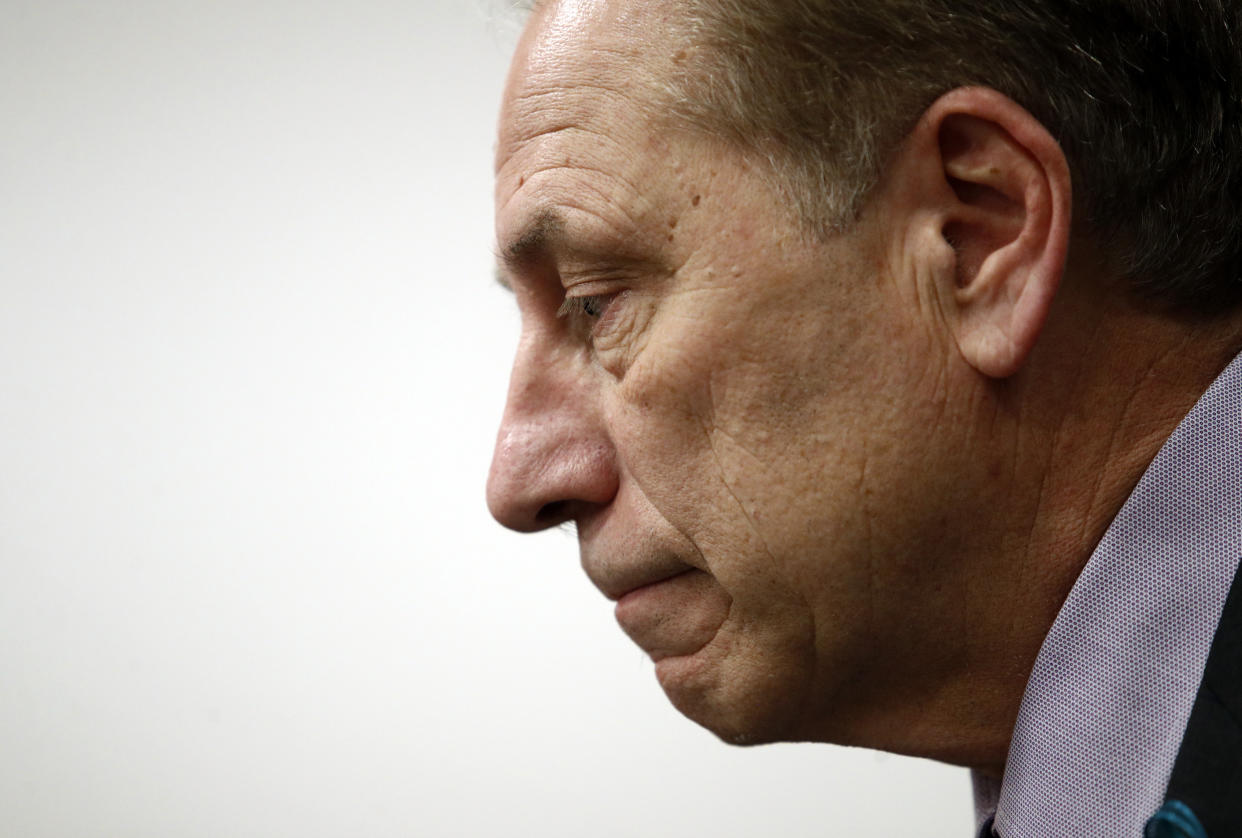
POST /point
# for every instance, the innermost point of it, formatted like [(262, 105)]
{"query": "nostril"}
[(551, 514)]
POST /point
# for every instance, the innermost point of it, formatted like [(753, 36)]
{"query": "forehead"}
[(575, 60), (579, 131)]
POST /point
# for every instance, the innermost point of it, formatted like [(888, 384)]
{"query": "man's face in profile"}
[(742, 421)]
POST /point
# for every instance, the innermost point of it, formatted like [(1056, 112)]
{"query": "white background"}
[(251, 364)]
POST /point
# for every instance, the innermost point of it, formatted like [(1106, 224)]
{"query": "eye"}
[(591, 307)]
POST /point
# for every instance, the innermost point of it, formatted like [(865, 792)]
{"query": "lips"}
[(667, 602), (616, 578), (676, 616)]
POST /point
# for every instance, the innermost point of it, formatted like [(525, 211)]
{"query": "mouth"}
[(618, 579), (674, 616), (639, 590)]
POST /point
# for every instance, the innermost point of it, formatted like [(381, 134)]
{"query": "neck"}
[(1046, 460), (1087, 416)]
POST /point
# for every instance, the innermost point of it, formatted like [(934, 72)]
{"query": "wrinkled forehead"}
[(578, 61)]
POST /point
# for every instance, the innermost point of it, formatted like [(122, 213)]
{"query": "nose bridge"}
[(553, 457)]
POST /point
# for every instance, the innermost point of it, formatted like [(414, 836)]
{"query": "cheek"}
[(660, 433), (709, 438), (748, 439)]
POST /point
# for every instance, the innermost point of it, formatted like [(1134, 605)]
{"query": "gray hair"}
[(1144, 96)]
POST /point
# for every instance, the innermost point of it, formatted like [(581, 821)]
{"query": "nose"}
[(553, 461)]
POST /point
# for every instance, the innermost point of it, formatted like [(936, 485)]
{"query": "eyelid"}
[(591, 287), (596, 282)]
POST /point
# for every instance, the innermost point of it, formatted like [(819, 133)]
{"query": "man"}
[(849, 329)]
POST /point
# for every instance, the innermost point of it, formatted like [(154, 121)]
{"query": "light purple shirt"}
[(1111, 691)]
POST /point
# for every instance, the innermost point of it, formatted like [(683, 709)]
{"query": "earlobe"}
[(1005, 212)]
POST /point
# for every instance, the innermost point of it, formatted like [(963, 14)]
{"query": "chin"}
[(740, 704)]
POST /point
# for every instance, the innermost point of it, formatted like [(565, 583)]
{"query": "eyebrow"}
[(546, 235), (536, 239), (544, 232)]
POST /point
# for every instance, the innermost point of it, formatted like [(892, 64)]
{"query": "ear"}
[(996, 187)]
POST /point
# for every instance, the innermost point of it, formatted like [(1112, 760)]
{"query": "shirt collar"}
[(1112, 687)]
